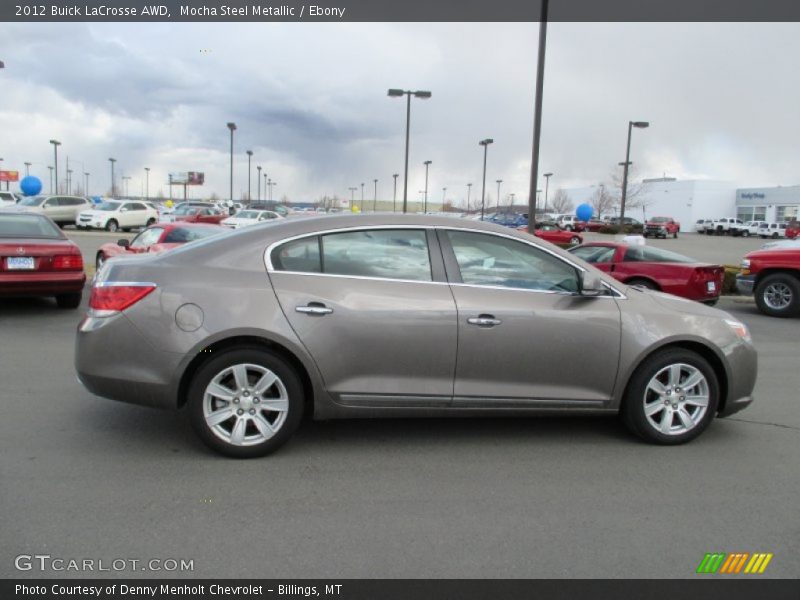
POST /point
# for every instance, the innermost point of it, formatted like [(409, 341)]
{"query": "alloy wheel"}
[(676, 399), (778, 296)]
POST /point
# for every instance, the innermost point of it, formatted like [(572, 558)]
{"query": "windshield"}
[(108, 206), (32, 201), (247, 214), (28, 226), (659, 220)]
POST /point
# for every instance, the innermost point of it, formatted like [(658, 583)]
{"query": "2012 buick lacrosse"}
[(400, 316)]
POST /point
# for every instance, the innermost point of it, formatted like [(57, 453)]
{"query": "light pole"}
[(537, 117), (444, 197), (631, 125), (56, 144), (146, 183), (265, 186), (499, 181), (232, 127), (258, 180), (427, 164), (249, 177), (375, 197), (395, 93), (27, 168), (362, 197), (485, 143), (50, 167), (394, 194), (469, 192), (352, 197), (87, 183), (547, 177), (113, 189), (69, 181), (512, 194)]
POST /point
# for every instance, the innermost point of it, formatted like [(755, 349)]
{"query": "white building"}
[(774, 204)]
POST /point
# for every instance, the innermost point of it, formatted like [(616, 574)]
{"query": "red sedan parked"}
[(197, 214), (37, 259), (553, 233), (657, 269), (157, 238)]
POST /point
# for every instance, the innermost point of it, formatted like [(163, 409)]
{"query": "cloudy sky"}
[(310, 100)]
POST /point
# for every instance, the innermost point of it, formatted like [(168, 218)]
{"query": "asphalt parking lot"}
[(84, 477)]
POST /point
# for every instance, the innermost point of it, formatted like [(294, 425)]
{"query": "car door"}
[(373, 309), (526, 338)]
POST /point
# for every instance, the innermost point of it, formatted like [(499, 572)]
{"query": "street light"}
[(427, 164), (394, 195), (352, 196), (87, 183), (232, 127), (375, 198), (499, 181), (56, 144), (469, 192), (631, 125), (113, 189), (547, 177), (362, 197), (485, 143), (258, 180), (395, 93), (444, 197), (27, 168), (146, 183), (265, 185), (249, 177), (69, 181), (50, 167)]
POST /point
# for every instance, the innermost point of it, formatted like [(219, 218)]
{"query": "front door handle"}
[(484, 321), (314, 308)]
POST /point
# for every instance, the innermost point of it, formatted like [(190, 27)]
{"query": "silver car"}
[(398, 316)]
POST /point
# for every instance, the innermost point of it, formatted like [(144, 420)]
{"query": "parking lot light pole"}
[(27, 168), (146, 183), (69, 181), (113, 188), (352, 197), (375, 198), (265, 185), (485, 143), (631, 125), (362, 196), (427, 164), (56, 144), (394, 194), (87, 183), (547, 177), (422, 94), (258, 181), (469, 193), (499, 181), (232, 127), (249, 177)]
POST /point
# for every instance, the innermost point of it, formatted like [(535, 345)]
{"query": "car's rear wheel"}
[(112, 226), (575, 240), (675, 235), (775, 236), (245, 402), (150, 221), (671, 398), (68, 300), (645, 283), (778, 295)]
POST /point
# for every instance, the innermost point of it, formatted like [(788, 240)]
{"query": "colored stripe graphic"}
[(711, 562), (758, 563)]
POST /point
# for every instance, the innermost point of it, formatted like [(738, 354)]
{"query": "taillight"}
[(115, 297), (68, 262)]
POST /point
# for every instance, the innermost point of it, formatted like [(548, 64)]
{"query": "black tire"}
[(775, 236), (98, 261), (637, 395), (645, 283), (112, 226), (150, 221), (745, 233), (675, 235), (575, 240), (784, 284), (69, 300), (253, 356)]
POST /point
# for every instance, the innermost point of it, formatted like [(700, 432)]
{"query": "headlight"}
[(745, 263), (740, 329)]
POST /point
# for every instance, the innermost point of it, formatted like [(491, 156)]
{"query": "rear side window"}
[(384, 253), (301, 256), (595, 254)]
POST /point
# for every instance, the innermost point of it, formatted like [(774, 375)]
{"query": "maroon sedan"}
[(37, 259), (554, 234), (656, 269), (158, 238)]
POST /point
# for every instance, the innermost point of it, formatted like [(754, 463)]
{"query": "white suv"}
[(752, 228), (725, 225), (62, 209), (772, 230), (8, 198), (113, 215)]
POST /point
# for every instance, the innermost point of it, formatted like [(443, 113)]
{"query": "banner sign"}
[(9, 176)]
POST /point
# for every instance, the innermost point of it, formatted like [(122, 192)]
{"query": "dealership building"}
[(688, 201)]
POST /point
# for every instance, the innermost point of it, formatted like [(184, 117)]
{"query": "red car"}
[(594, 225), (197, 214), (37, 259), (656, 269), (792, 230), (157, 238), (554, 234)]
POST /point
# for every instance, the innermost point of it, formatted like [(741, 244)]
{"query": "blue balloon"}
[(30, 185), (584, 212)]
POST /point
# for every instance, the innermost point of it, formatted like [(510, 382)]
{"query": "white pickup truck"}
[(725, 226)]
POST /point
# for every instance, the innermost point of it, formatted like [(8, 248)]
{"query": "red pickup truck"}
[(773, 276), (661, 227)]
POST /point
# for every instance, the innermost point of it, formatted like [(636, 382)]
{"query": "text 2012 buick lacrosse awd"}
[(395, 316)]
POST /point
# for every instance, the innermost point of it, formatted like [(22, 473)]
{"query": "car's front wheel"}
[(112, 226), (671, 398), (778, 295), (574, 240), (246, 402)]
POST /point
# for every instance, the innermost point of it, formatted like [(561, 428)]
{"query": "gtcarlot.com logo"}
[(735, 563)]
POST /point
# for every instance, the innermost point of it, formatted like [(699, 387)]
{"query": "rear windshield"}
[(33, 226), (652, 254)]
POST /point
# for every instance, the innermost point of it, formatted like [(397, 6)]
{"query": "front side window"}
[(595, 254), (147, 238), (384, 253), (486, 259)]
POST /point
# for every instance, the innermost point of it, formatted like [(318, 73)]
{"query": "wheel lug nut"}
[(256, 400), (252, 411), (240, 412), (236, 401)]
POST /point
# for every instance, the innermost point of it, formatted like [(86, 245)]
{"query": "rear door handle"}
[(484, 321), (314, 308)]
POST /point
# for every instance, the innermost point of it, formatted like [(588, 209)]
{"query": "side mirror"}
[(124, 243), (591, 284)]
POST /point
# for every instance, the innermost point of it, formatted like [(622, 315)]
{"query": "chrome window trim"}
[(271, 269)]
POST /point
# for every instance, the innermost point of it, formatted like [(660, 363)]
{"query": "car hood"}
[(95, 213)]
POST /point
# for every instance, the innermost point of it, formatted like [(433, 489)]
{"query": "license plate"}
[(19, 262), (712, 286)]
